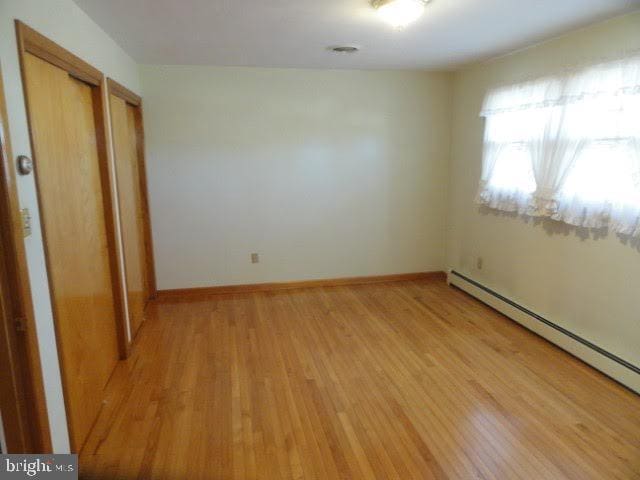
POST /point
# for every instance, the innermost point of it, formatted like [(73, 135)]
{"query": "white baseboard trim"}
[(606, 362)]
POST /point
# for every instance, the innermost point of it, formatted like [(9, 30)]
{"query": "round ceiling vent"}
[(344, 49)]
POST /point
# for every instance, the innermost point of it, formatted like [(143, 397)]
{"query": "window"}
[(567, 147)]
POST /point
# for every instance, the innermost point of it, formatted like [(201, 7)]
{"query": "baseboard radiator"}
[(611, 365)]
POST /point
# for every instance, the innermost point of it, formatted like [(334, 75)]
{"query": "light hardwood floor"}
[(408, 380)]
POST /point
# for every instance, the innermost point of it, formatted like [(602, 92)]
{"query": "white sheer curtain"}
[(567, 147), (507, 178)]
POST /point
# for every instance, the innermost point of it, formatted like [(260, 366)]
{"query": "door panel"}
[(13, 428), (125, 140), (63, 125)]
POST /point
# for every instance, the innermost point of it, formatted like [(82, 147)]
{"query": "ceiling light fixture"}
[(399, 13)]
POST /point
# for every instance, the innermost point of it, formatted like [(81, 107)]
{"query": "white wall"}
[(587, 284), (63, 22), (323, 173)]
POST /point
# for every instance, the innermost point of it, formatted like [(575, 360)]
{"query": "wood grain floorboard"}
[(406, 380)]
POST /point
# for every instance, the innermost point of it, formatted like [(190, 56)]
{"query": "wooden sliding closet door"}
[(132, 200), (64, 115)]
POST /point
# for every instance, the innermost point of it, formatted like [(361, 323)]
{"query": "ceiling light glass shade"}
[(399, 13)]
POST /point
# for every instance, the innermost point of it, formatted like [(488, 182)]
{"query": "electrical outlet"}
[(255, 258), (480, 263)]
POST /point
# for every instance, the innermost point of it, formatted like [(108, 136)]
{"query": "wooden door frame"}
[(118, 90), (22, 396), (30, 41)]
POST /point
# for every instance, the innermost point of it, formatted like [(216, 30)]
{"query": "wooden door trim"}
[(123, 92), (30, 41), (114, 88), (107, 178), (24, 403), (124, 343), (37, 44)]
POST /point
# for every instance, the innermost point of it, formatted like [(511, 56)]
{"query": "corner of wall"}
[(448, 234)]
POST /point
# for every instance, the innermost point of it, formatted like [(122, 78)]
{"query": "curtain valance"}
[(612, 79)]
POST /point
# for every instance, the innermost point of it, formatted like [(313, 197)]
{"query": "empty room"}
[(320, 239)]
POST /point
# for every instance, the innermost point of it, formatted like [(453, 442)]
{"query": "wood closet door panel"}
[(125, 138), (63, 117)]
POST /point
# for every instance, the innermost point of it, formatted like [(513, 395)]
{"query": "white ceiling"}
[(296, 33)]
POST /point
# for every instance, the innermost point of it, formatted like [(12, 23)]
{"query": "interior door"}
[(63, 119), (14, 432), (125, 139)]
